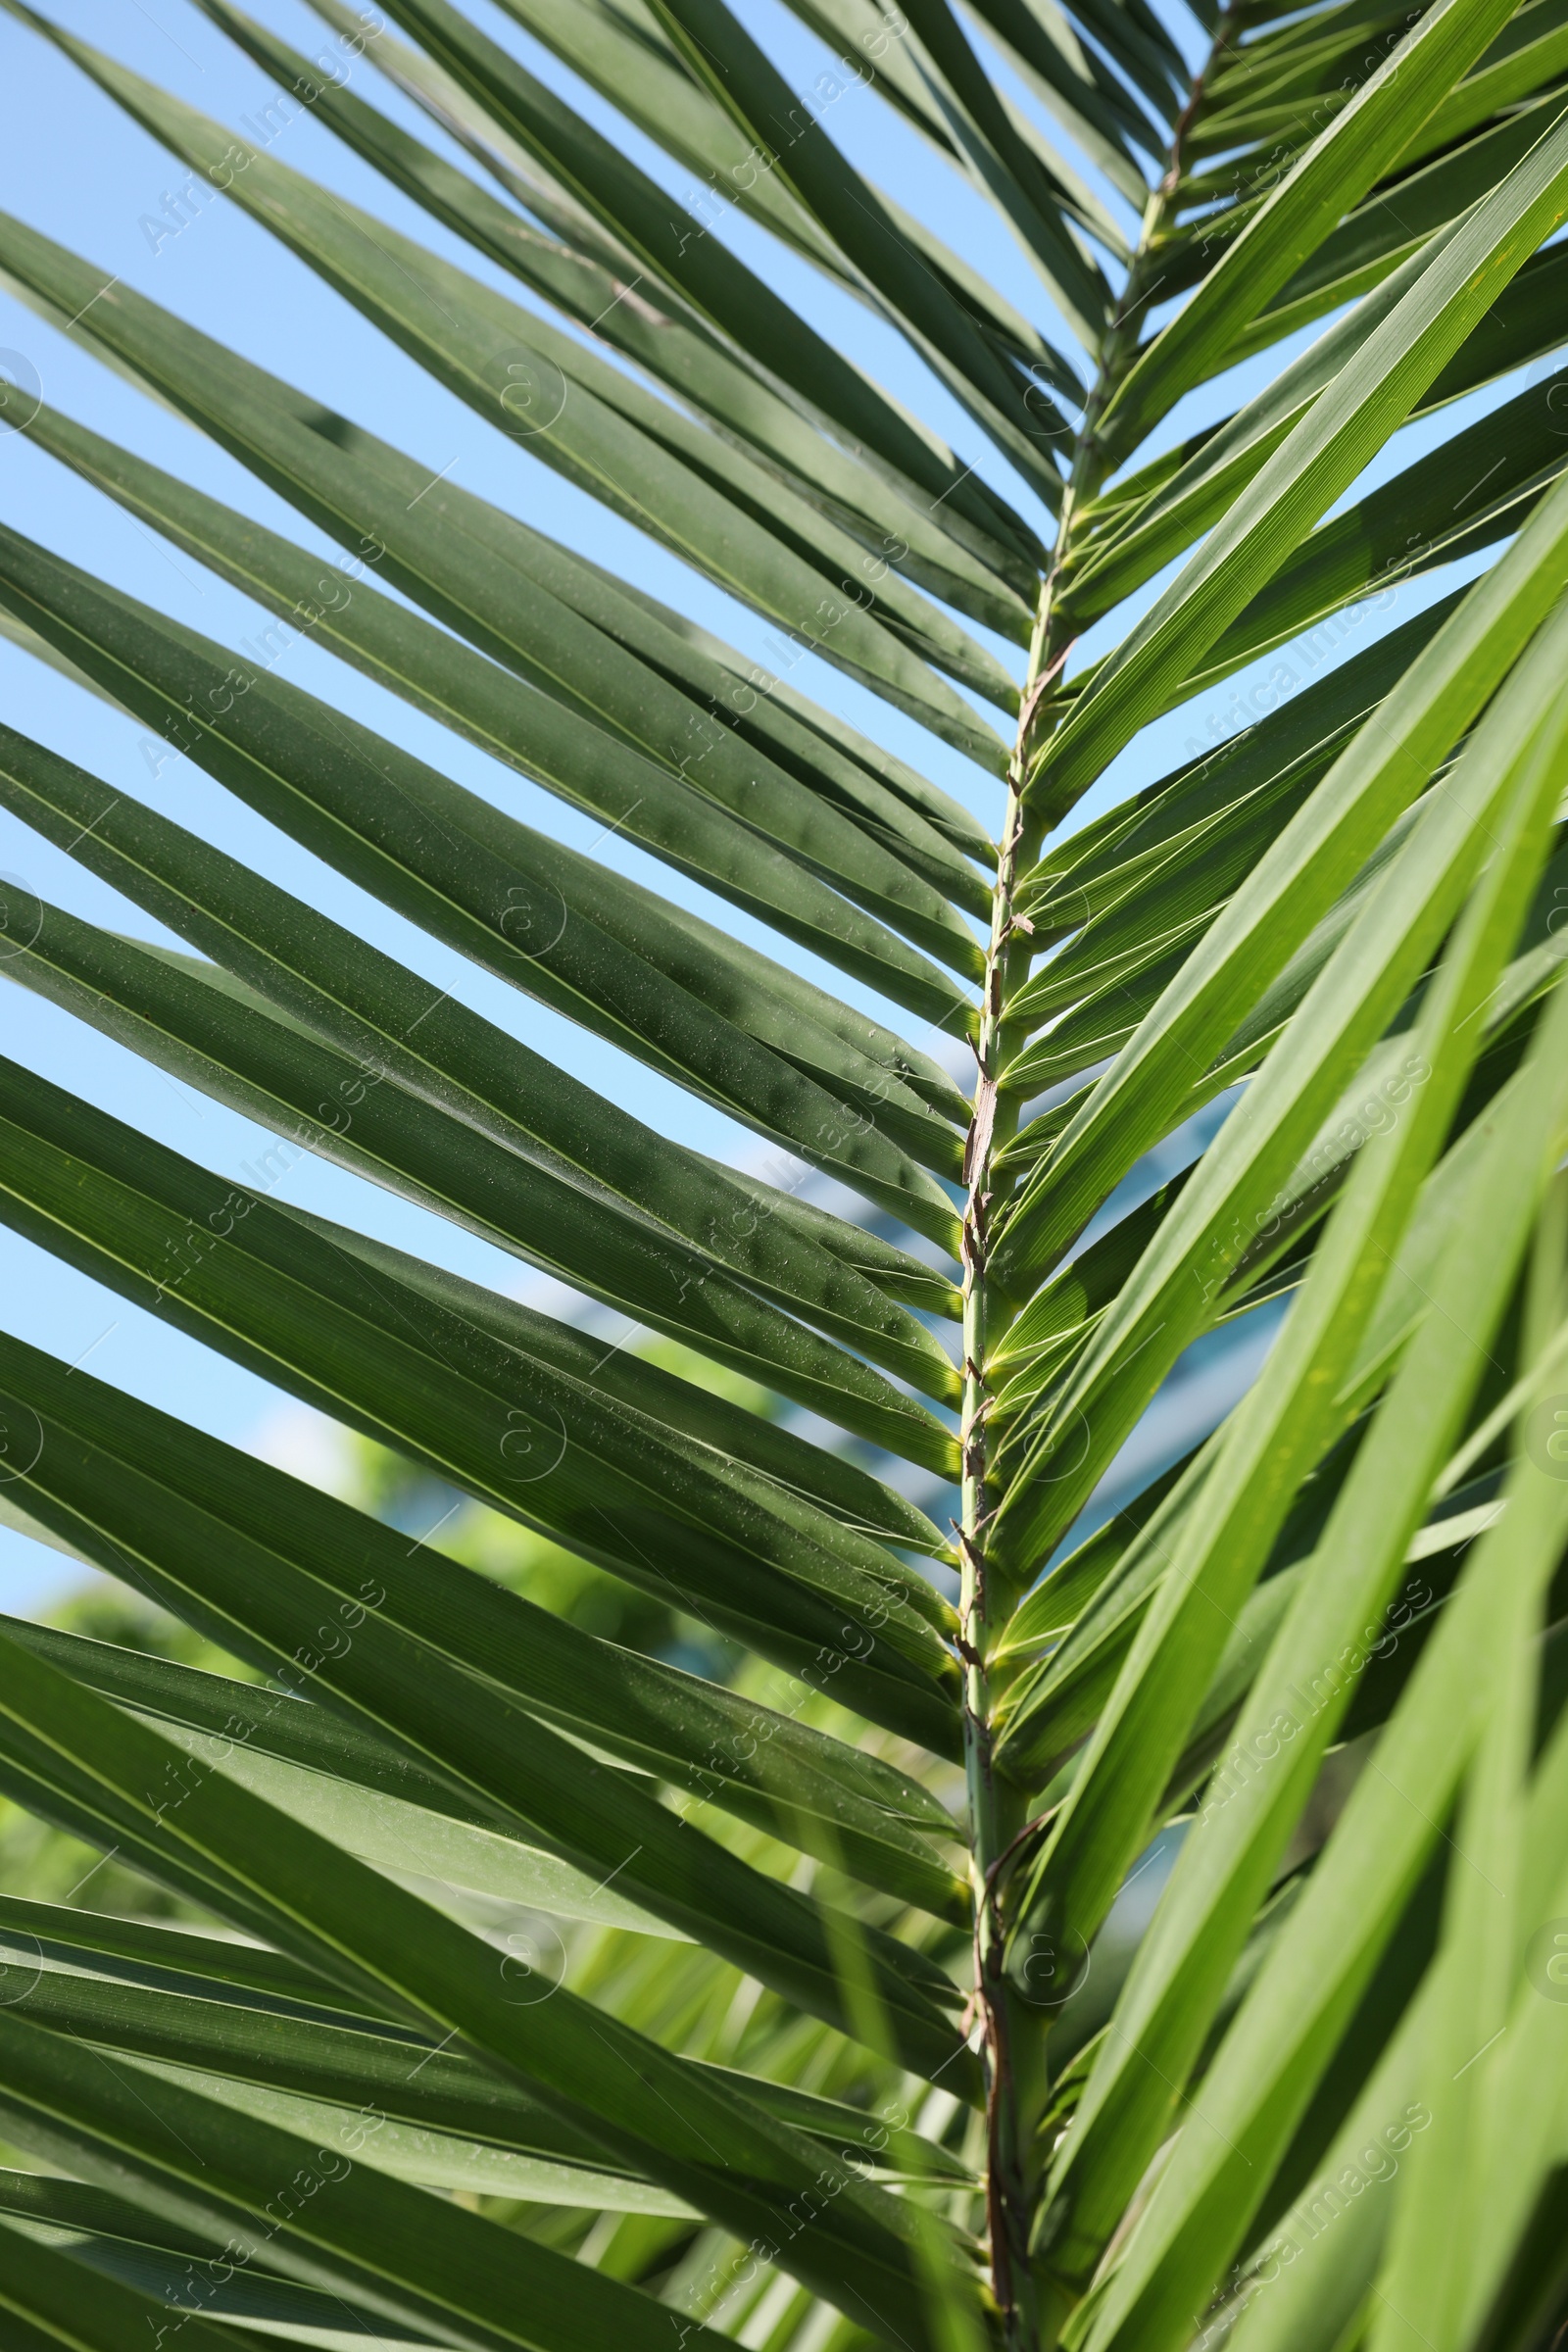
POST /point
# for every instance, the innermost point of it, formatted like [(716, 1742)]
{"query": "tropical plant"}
[(868, 2031)]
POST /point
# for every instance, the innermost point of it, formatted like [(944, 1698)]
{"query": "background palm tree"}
[(875, 1858)]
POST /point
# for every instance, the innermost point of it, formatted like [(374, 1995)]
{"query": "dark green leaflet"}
[(811, 740), (485, 883), (798, 1783), (411, 1370), (501, 1768), (370, 1794), (612, 189), (694, 492), (483, 572), (260, 1983), (638, 766), (393, 1029), (83, 1763), (1091, 102), (174, 1012), (976, 516), (894, 63), (1013, 172), (736, 396), (55, 2298), (738, 73), (375, 2073)]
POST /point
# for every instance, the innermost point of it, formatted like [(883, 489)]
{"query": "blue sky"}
[(74, 166)]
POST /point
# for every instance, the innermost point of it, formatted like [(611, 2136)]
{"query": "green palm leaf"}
[(1080, 1859)]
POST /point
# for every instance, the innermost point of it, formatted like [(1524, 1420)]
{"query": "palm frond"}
[(1098, 1880)]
